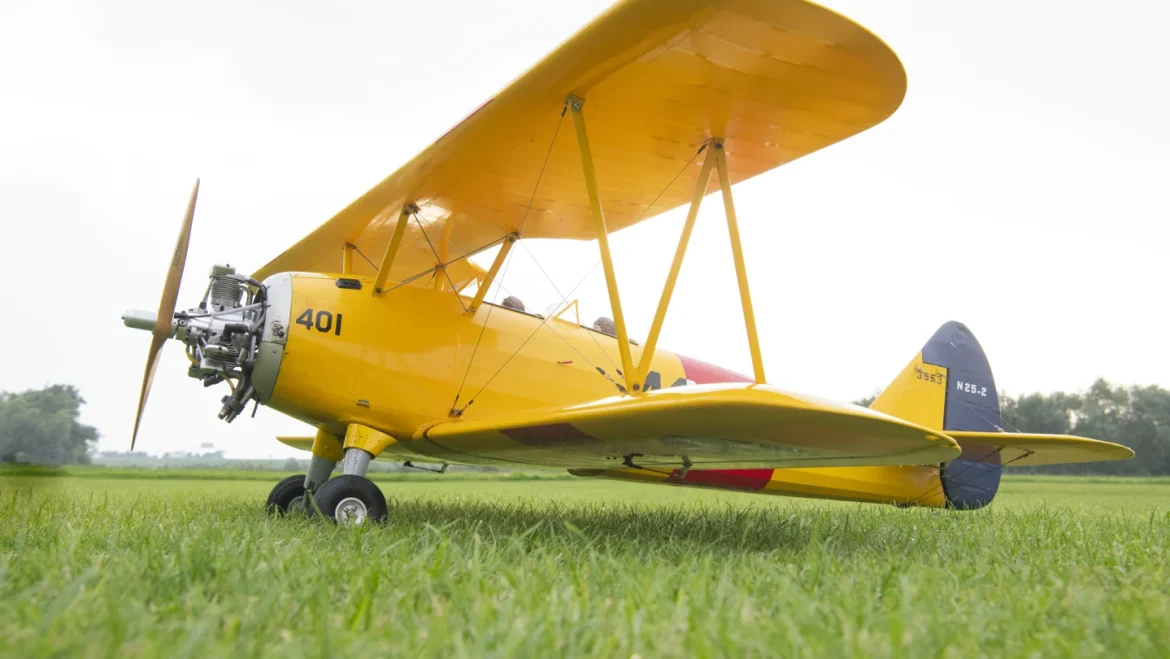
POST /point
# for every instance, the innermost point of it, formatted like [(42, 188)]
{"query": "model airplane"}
[(375, 328)]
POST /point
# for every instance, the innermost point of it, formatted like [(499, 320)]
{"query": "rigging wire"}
[(531, 198), (587, 360), (575, 349), (442, 266), (974, 408), (934, 490), (941, 488), (539, 176), (543, 322), (482, 329), (589, 272), (1025, 454), (428, 271), (355, 248), (458, 412), (564, 298)]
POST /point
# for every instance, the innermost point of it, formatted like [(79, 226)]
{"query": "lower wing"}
[(712, 426)]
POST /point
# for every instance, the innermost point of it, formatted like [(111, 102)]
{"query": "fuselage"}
[(414, 356)]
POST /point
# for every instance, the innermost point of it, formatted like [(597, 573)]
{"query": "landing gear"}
[(288, 497), (352, 500)]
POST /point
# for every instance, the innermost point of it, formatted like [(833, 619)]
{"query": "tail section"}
[(949, 386)]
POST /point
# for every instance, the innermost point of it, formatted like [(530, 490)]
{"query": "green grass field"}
[(98, 563)]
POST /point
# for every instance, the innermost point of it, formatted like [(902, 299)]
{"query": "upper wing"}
[(778, 79), (1019, 449), (713, 426)]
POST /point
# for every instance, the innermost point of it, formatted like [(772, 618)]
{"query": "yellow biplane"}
[(376, 329)]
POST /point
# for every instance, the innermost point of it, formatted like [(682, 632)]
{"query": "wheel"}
[(288, 497), (351, 500)]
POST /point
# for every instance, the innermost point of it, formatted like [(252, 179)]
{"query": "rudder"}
[(949, 386)]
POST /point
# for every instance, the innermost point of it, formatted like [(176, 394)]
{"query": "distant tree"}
[(42, 427), (1137, 417), (867, 401), (292, 465)]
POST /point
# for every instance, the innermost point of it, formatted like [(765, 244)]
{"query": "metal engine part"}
[(222, 335), (225, 288), (236, 335)]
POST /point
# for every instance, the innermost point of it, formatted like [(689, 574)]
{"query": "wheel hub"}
[(350, 511)]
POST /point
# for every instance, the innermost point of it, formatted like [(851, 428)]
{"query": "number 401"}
[(323, 321)]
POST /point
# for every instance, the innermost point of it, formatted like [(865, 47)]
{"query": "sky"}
[(1020, 189)]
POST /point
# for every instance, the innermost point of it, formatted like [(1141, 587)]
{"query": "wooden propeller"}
[(166, 309)]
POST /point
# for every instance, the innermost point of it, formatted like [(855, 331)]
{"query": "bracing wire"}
[(938, 488), (540, 176), (456, 411), (359, 252), (587, 360), (442, 266), (564, 299), (543, 323), (487, 317), (531, 198)]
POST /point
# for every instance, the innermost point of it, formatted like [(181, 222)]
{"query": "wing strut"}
[(675, 266), (392, 248), (716, 160), (615, 302), (745, 295), (491, 273)]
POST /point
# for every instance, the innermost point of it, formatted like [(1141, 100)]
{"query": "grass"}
[(93, 566)]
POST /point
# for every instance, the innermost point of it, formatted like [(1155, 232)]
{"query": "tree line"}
[(1137, 417), (43, 427)]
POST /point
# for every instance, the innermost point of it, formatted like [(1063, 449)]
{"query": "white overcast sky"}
[(1021, 188)]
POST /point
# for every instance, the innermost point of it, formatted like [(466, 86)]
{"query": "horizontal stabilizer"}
[(1019, 449), (719, 426)]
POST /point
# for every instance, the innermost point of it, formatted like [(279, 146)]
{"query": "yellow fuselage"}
[(411, 357)]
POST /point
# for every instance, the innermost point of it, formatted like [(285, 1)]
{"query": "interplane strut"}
[(615, 302), (716, 160)]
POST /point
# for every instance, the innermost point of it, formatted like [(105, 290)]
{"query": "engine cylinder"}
[(226, 287), (225, 293)]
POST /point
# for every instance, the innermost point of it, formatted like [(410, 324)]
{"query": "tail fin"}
[(949, 386)]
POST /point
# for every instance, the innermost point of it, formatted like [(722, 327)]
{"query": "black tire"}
[(285, 493), (337, 490)]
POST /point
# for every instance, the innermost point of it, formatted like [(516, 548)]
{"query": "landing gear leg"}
[(353, 499), (320, 469), (356, 462), (290, 495)]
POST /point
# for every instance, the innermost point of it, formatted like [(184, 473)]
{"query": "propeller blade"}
[(166, 309), (170, 294), (156, 344)]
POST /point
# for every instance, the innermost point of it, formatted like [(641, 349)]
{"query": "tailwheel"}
[(351, 500), (288, 497)]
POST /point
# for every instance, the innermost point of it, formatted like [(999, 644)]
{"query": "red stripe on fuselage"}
[(724, 479), (701, 372)]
